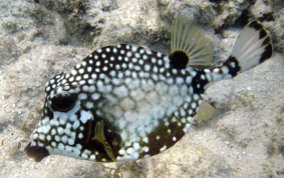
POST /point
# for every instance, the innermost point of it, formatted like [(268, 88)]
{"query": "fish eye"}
[(63, 103)]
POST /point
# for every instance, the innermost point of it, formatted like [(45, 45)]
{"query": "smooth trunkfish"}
[(128, 102)]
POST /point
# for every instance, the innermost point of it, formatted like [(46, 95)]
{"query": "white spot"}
[(64, 139), (164, 148), (130, 65), (233, 64), (81, 71), (71, 141), (128, 54), (134, 60), (145, 139), (216, 70), (57, 138), (145, 57), (130, 151), (134, 48), (92, 157), (53, 132), (134, 75), (44, 129), (149, 52), (86, 76), (141, 74), (78, 78), (60, 130), (84, 63), (53, 144), (136, 146), (124, 65), (89, 69), (91, 81), (99, 50), (91, 61), (122, 152), (63, 81), (82, 96), (141, 62), (94, 76), (66, 87), (174, 71), (76, 124), (113, 73), (92, 88), (188, 80), (85, 116), (146, 149), (193, 105), (98, 63), (225, 70), (80, 136), (105, 68), (179, 80), (155, 69), (89, 105), (195, 97), (35, 136), (47, 89), (137, 68), (82, 82), (95, 96), (127, 73)]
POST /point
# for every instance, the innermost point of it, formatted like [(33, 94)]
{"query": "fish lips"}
[(36, 152)]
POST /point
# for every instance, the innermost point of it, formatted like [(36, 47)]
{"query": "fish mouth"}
[(35, 152)]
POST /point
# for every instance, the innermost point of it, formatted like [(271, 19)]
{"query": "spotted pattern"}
[(145, 103)]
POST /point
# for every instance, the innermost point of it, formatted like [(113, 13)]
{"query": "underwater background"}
[(39, 38)]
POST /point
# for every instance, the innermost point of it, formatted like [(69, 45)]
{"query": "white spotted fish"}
[(128, 102)]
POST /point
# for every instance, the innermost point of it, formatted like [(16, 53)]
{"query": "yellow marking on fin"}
[(100, 137), (205, 112)]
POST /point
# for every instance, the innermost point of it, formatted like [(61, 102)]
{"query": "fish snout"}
[(36, 152)]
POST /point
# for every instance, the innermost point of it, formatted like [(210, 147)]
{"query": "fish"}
[(127, 102)]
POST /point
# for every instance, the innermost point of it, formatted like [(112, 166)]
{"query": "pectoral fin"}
[(100, 137)]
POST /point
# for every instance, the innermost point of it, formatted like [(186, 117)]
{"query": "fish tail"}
[(252, 47)]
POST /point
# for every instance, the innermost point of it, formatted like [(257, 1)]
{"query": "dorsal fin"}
[(189, 45)]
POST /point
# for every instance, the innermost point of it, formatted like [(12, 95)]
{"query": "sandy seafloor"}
[(244, 137)]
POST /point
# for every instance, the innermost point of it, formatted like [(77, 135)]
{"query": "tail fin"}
[(252, 47)]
